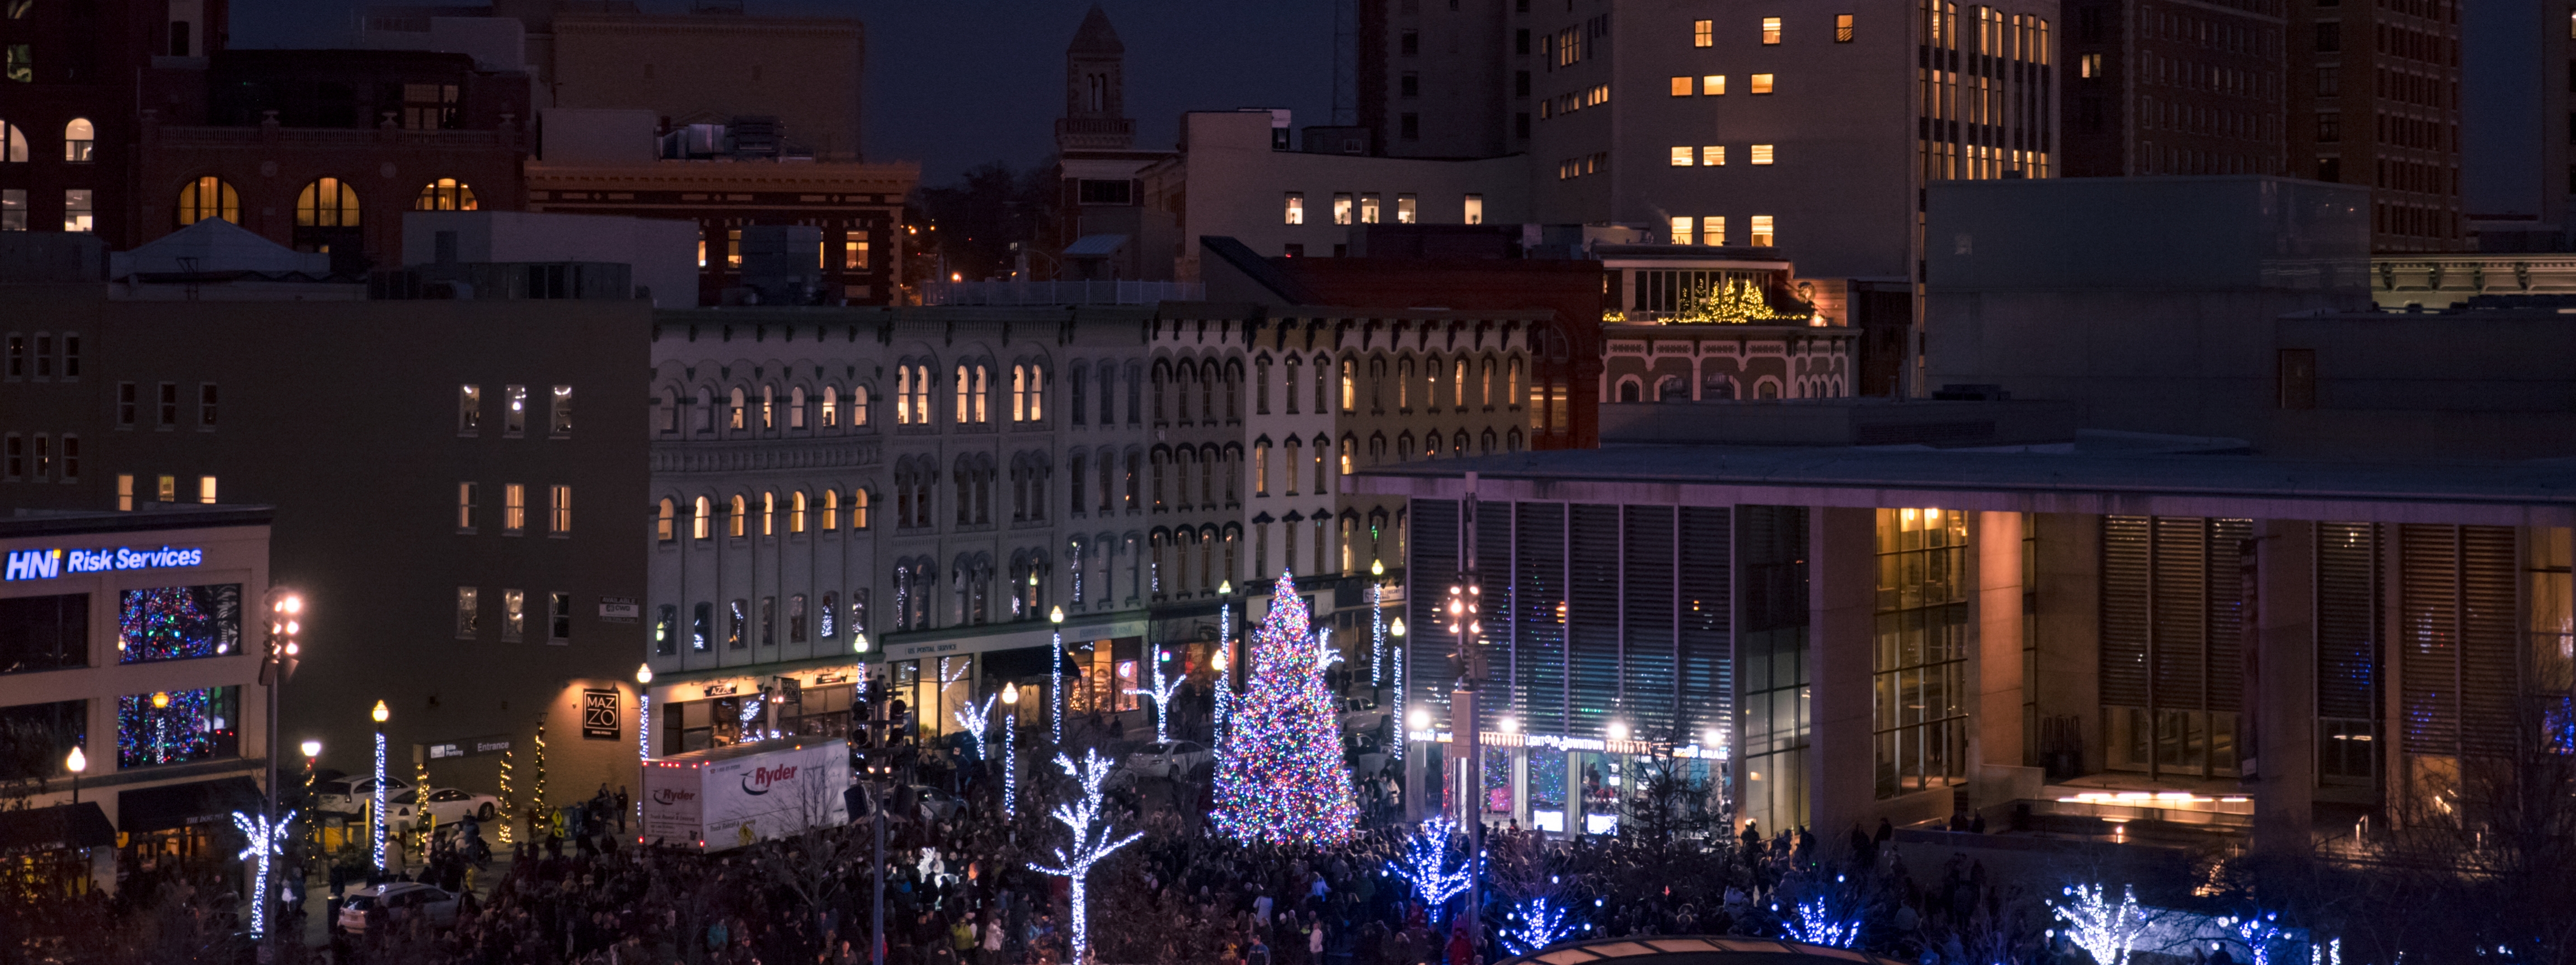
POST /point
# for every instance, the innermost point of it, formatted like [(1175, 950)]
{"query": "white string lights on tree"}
[(265, 840), (1814, 922), (1540, 925), (1426, 862), (2259, 932), (1162, 691), (2101, 927), (1089, 846), (975, 719)]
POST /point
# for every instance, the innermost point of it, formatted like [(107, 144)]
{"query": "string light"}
[(1162, 691), (1224, 663), (2100, 927), (1088, 847), (974, 720), (265, 840), (1426, 855), (1010, 758), (1055, 680), (1816, 924), (1281, 776), (1541, 925)]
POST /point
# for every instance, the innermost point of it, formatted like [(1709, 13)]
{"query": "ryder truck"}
[(728, 797)]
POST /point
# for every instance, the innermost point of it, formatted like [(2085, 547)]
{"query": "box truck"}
[(729, 797)]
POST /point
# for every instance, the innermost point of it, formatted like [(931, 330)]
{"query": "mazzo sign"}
[(51, 563), (600, 719)]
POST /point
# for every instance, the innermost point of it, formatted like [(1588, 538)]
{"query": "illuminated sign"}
[(49, 564)]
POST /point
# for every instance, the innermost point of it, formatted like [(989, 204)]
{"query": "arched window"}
[(699, 526), (208, 197), (831, 407), (735, 421), (903, 395), (858, 509), (665, 526), (1458, 385), (831, 510), (80, 143), (741, 509), (1485, 386), (1323, 453), (1293, 461), (1348, 454), (445, 194), (1350, 386), (13, 144), (796, 511), (796, 407), (1512, 393), (768, 514), (327, 203), (965, 396), (768, 408), (1487, 444), (1512, 439), (1458, 444), (1020, 393)]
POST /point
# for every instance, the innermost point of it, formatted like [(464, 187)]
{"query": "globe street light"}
[(76, 762), (376, 823), (1055, 677)]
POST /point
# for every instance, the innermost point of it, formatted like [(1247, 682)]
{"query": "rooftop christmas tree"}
[(1280, 775)]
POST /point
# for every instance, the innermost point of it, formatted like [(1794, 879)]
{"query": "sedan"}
[(352, 794), (448, 805), (1167, 759), (402, 901)]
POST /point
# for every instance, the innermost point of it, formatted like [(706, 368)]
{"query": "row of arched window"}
[(764, 410), (80, 142), (973, 595), (743, 622), (324, 203), (767, 514), (979, 389), (1187, 392)]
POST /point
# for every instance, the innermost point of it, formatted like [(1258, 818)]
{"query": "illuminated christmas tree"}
[(1280, 777)]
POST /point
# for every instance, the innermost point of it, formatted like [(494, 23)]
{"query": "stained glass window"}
[(178, 623)]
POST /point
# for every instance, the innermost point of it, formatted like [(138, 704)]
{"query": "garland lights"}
[(1541, 925), (1281, 777), (2100, 927), (265, 840), (1088, 847)]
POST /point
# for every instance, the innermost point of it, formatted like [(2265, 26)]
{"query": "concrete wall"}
[(708, 69), (2070, 626), (663, 253), (1237, 186)]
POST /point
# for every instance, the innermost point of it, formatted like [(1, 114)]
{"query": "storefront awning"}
[(80, 825), (180, 805)]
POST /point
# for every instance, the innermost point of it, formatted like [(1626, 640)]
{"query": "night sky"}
[(955, 83)]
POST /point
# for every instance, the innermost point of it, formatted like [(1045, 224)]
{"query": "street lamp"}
[(376, 822), (1396, 630), (1377, 624), (1224, 662), (1055, 676), (859, 641), (76, 762)]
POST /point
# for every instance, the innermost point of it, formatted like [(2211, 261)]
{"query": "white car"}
[(448, 805), (1167, 758), (402, 901), (352, 794)]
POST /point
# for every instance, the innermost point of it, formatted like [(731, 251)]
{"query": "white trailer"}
[(728, 797)]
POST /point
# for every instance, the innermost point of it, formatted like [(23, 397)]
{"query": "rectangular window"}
[(44, 457), (42, 633), (666, 631), (465, 507), (2330, 38), (514, 411), (1294, 209), (1409, 85), (1409, 126), (559, 421), (1761, 84), (1703, 33), (78, 203), (1770, 31), (178, 726), (1712, 85), (1341, 208), (17, 356), (514, 509), (125, 493), (702, 627), (558, 618), (738, 611), (13, 209), (768, 621), (796, 619), (1368, 208), (166, 488), (1408, 209), (514, 614), (1761, 154), (1683, 230), (2330, 81), (1713, 156), (206, 399), (44, 356), (559, 511), (1681, 157), (71, 458), (1712, 232), (469, 611), (854, 254), (1475, 209), (127, 405), (2329, 128), (1762, 231), (1681, 86), (71, 357), (206, 490), (2089, 66), (169, 404), (1920, 658), (1842, 28), (469, 409)]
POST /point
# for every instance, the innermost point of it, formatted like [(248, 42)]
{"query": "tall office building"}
[(2375, 100), (2166, 88)]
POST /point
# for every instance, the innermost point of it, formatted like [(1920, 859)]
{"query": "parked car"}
[(352, 794), (1165, 759), (450, 805), (1360, 715), (402, 901)]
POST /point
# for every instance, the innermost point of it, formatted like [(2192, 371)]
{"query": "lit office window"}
[(1713, 156), (1295, 209), (1770, 30), (1703, 33), (514, 509), (1761, 84), (1712, 85), (1762, 231), (1681, 157), (1475, 209), (1761, 154), (1683, 229)]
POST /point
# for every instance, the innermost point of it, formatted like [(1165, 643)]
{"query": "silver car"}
[(402, 901), (1167, 759)]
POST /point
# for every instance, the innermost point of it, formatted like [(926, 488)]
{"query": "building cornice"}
[(850, 178), (721, 458)]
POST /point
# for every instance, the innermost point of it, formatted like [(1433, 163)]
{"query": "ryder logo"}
[(758, 779), (669, 795)]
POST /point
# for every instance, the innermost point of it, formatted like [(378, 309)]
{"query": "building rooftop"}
[(2107, 477), (152, 516)]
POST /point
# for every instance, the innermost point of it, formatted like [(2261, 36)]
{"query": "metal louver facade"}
[(2172, 643)]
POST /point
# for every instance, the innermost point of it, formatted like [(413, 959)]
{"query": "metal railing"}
[(1060, 292)]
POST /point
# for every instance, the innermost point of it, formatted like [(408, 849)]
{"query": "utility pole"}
[(1466, 625), (878, 785)]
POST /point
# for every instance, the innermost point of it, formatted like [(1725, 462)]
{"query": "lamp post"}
[(76, 762), (1377, 623), (1403, 735), (376, 817), (1010, 758), (1055, 677), (1224, 703), (643, 733)]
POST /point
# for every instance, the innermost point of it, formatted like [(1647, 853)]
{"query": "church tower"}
[(1095, 99)]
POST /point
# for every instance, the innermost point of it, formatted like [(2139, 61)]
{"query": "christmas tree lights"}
[(975, 720), (1088, 847), (1815, 923), (1541, 925), (1281, 777), (2105, 929), (1426, 854)]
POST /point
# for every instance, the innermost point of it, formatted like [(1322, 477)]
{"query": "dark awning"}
[(180, 805), (80, 825)]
